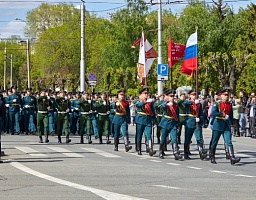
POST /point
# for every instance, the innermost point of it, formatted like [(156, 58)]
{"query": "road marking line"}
[(155, 161), (30, 151), (253, 158), (102, 153), (194, 167), (102, 193), (169, 187), (175, 164), (220, 172), (242, 175), (66, 152)]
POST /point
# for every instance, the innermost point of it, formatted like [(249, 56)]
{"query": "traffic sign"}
[(162, 78), (92, 77), (92, 83), (162, 69)]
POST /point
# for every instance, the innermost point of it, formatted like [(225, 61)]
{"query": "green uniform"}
[(159, 112), (182, 116), (42, 116)]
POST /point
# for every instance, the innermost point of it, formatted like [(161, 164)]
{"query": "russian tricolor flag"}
[(190, 60)]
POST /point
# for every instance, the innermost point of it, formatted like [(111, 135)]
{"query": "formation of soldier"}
[(109, 115)]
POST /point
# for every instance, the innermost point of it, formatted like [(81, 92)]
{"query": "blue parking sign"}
[(162, 69)]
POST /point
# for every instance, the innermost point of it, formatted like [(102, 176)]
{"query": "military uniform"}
[(121, 119), (169, 124), (223, 120), (15, 103), (75, 108), (144, 119), (182, 117), (94, 117), (103, 109), (6, 117), (159, 113), (29, 108), (52, 113), (43, 105), (63, 107), (193, 125)]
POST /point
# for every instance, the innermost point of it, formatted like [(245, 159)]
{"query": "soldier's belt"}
[(117, 113), (85, 113), (62, 112), (169, 117), (102, 113), (190, 115), (183, 114), (15, 104), (41, 111), (142, 113), (159, 115), (222, 118), (30, 107)]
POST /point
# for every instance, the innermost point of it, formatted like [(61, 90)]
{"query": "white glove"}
[(90, 111), (117, 104), (66, 98), (48, 107), (7, 105), (197, 119), (72, 110), (48, 97), (89, 101), (155, 126), (76, 108), (26, 106), (67, 110), (149, 100), (108, 112), (14, 100), (114, 110), (197, 101), (169, 103), (104, 103), (226, 116)]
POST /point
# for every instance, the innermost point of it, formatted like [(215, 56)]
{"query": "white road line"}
[(242, 175), (155, 161), (102, 153), (102, 193), (215, 171), (66, 152), (169, 187), (30, 151), (175, 164), (253, 158), (194, 167)]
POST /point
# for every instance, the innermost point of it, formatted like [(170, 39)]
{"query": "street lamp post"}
[(5, 57), (82, 61)]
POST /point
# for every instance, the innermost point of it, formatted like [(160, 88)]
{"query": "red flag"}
[(175, 52)]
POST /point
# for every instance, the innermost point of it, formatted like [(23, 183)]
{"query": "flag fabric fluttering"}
[(147, 54), (189, 64), (175, 52)]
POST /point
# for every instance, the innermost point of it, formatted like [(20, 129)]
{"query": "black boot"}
[(161, 155), (126, 145), (233, 159), (59, 139), (40, 139), (100, 140), (202, 152), (89, 139), (178, 138), (81, 139), (226, 152), (150, 146), (147, 148), (213, 150), (67, 139), (107, 140), (158, 140), (46, 139), (139, 148), (176, 151), (116, 141), (210, 151), (186, 152)]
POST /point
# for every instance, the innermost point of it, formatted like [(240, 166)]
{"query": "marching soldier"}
[(144, 119), (121, 119), (6, 117), (223, 120), (182, 114), (63, 107), (51, 112), (29, 108), (103, 109), (194, 125), (159, 112), (43, 105), (15, 103), (94, 116), (111, 115), (169, 124), (85, 117), (75, 108)]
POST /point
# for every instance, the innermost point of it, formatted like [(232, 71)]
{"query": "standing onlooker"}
[(251, 113), (237, 109), (242, 121), (132, 112)]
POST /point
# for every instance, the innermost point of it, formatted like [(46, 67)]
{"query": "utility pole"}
[(159, 58), (28, 63), (5, 57), (82, 61), (11, 73)]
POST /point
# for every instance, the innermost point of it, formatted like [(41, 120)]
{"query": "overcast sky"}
[(12, 9)]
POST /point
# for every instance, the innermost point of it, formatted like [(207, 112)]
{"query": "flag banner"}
[(175, 52), (190, 59), (147, 55)]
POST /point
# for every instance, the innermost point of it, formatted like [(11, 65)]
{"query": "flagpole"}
[(196, 69)]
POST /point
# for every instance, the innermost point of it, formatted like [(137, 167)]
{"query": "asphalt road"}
[(92, 171)]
